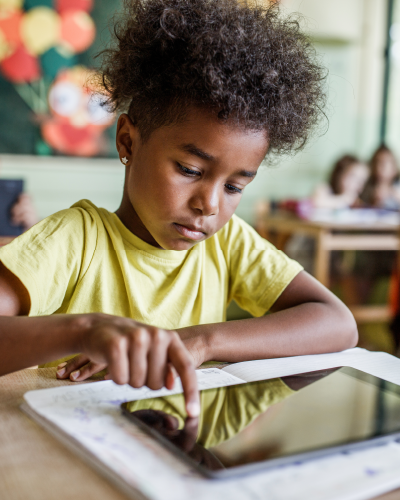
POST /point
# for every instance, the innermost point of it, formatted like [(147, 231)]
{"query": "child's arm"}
[(306, 319), (134, 353)]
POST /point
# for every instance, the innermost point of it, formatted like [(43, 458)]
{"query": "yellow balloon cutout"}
[(11, 4), (40, 30)]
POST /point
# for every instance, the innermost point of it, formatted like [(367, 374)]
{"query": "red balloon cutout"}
[(9, 25), (63, 5), (67, 139), (20, 67), (77, 30)]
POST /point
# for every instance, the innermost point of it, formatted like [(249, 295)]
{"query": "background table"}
[(33, 464), (331, 236)]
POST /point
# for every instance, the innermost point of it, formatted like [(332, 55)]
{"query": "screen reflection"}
[(225, 413)]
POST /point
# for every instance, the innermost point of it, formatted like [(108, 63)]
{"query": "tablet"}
[(258, 425)]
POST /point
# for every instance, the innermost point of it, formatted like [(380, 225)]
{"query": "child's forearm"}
[(27, 341), (306, 319), (304, 329)]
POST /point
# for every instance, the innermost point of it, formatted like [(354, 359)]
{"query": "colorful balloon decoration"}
[(39, 44), (78, 118), (39, 28)]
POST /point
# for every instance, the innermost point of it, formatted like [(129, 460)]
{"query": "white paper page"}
[(207, 379), (379, 364)]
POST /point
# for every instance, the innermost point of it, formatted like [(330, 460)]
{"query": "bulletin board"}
[(47, 50)]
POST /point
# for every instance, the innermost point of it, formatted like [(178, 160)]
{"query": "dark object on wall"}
[(386, 74), (10, 189)]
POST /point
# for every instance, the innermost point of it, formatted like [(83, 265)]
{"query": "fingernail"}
[(61, 372), (74, 375), (193, 409), (61, 365)]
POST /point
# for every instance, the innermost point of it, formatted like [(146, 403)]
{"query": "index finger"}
[(181, 360)]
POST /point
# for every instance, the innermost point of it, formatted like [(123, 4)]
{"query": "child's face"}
[(184, 183), (354, 179), (385, 169)]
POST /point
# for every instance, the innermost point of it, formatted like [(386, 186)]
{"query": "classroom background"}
[(59, 140)]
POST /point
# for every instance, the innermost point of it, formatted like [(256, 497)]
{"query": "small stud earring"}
[(124, 160)]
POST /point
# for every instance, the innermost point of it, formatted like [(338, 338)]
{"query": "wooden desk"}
[(336, 236), (33, 464)]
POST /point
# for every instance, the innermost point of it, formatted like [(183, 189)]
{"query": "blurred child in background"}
[(346, 183), (383, 187), (345, 186)]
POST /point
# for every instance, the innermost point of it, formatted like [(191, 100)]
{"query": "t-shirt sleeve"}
[(50, 258), (258, 272)]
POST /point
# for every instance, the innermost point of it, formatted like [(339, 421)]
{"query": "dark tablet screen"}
[(260, 422)]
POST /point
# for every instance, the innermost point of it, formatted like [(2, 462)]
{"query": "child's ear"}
[(127, 137)]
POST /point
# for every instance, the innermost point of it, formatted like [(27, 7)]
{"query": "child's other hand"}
[(134, 354), (23, 212)]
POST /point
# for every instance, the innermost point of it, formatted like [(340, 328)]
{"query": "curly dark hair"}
[(245, 63)]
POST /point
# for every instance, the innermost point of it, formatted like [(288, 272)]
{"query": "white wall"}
[(56, 183)]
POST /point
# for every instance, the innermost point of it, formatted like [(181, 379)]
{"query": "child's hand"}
[(23, 212), (134, 354)]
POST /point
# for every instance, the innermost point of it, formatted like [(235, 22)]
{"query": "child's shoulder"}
[(83, 214), (71, 227), (238, 232)]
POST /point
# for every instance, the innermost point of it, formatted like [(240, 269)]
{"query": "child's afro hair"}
[(245, 63)]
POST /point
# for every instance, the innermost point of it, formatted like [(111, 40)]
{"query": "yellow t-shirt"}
[(83, 260)]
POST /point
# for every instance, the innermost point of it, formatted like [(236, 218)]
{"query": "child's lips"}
[(187, 232)]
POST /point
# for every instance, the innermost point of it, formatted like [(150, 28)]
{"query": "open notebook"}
[(87, 418)]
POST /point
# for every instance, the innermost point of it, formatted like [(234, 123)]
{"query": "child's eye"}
[(233, 189), (188, 171)]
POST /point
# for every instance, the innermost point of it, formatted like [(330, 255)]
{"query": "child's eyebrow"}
[(247, 173), (195, 151)]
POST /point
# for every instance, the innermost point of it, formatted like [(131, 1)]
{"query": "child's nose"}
[(206, 200)]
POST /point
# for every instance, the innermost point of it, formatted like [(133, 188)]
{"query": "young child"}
[(346, 184), (383, 189), (209, 88)]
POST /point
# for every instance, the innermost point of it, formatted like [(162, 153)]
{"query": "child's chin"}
[(179, 245)]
